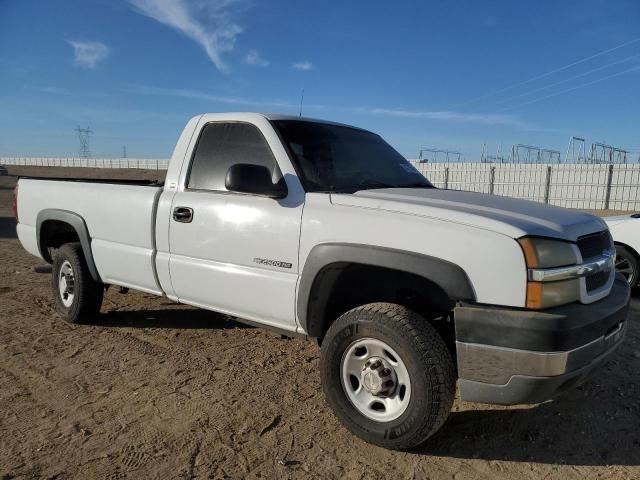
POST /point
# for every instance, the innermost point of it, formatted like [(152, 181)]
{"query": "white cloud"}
[(208, 23), (254, 58), (89, 54), (229, 100), (443, 116), (461, 117), (305, 65), (66, 92)]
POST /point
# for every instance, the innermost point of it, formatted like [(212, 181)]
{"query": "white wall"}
[(569, 185), (145, 163)]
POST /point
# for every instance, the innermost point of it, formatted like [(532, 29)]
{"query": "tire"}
[(418, 350), (627, 264), (77, 296)]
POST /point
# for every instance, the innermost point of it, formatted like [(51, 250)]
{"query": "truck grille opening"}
[(597, 280), (594, 244)]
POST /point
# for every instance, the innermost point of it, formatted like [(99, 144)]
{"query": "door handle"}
[(183, 214)]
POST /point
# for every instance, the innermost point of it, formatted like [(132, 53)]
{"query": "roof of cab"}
[(280, 116)]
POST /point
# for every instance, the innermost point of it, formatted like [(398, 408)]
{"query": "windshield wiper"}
[(416, 185), (371, 185), (356, 187)]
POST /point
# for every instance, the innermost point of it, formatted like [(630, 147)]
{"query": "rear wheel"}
[(77, 295), (627, 264), (387, 375)]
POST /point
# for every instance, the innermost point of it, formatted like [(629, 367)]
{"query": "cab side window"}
[(222, 145)]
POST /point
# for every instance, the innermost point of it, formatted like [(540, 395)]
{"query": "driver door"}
[(230, 252)]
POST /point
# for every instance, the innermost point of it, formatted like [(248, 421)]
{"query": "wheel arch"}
[(55, 227), (326, 264), (633, 252), (628, 247)]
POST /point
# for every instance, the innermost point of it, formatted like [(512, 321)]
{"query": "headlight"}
[(547, 253), (543, 253)]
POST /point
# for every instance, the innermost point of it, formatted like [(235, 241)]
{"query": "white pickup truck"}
[(625, 230), (324, 230)]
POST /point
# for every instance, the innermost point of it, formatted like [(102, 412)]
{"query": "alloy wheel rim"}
[(623, 266)]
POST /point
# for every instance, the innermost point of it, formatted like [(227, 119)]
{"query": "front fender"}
[(450, 277)]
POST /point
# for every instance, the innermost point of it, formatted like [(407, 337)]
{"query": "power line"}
[(575, 77), (633, 69), (551, 72)]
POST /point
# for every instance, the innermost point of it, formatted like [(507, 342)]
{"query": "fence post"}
[(547, 185), (492, 178), (446, 178), (607, 196)]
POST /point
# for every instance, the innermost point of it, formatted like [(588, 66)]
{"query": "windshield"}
[(333, 158)]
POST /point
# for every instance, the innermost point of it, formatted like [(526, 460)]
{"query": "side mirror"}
[(253, 179)]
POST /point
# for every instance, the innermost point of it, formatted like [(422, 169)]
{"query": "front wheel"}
[(77, 295), (388, 375), (627, 264)]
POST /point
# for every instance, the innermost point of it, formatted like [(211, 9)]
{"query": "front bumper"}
[(508, 356)]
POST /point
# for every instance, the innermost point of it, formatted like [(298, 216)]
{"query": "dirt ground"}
[(158, 390)]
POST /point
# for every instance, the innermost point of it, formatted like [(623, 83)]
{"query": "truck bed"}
[(115, 181), (120, 219)]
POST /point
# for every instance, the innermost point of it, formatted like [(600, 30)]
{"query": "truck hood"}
[(617, 219), (504, 215)]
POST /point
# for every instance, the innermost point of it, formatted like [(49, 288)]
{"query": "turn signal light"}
[(530, 252), (15, 203), (535, 295)]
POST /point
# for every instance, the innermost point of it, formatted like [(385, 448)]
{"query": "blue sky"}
[(446, 74)]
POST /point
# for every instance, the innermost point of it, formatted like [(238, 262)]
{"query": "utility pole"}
[(83, 136)]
